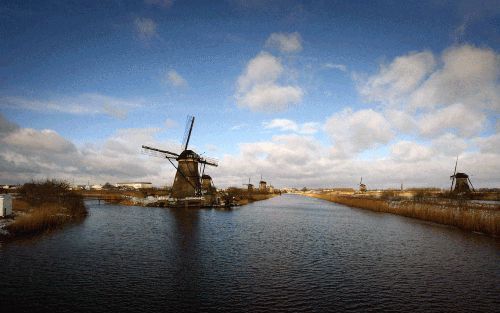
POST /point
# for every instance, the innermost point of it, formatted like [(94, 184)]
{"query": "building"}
[(5, 205), (134, 185), (96, 187), (262, 186)]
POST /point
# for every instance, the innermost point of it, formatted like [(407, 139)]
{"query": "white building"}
[(5, 205), (135, 185), (96, 187)]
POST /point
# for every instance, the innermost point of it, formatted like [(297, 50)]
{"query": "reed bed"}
[(464, 215), (43, 207), (45, 218)]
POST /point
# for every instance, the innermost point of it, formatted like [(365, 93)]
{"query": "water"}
[(290, 253)]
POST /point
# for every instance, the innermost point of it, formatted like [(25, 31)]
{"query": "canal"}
[(289, 253)]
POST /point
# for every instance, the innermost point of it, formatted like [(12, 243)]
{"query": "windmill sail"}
[(454, 174), (187, 132)]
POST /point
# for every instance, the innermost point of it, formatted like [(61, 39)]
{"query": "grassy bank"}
[(462, 214), (43, 207)]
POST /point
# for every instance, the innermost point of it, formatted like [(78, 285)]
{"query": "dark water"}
[(289, 253)]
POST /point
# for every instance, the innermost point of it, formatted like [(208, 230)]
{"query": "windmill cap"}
[(205, 176), (460, 175), (187, 154)]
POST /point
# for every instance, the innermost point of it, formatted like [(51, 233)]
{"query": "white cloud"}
[(261, 70), (145, 28), (271, 97), (28, 154), (291, 126), (291, 42), (449, 145), (160, 3), (355, 131), (175, 79), (452, 92), (87, 103), (410, 151), (489, 144), (397, 80), (258, 89), (469, 75), (466, 120), (340, 67)]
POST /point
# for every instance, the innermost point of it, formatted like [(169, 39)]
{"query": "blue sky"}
[(90, 71)]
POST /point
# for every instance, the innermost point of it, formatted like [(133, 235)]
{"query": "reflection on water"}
[(289, 253)]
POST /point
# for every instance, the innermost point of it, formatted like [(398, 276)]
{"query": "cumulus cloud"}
[(464, 119), (397, 80), (258, 88), (175, 79), (291, 126), (298, 160), (28, 154), (355, 131), (87, 103), (454, 91), (410, 151), (145, 28), (291, 42)]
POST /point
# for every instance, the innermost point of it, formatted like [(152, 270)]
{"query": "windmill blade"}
[(187, 132), (209, 161), (471, 184), (159, 153), (454, 173)]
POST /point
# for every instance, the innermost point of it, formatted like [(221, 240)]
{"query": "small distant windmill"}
[(188, 182), (362, 187), (461, 181), (249, 185)]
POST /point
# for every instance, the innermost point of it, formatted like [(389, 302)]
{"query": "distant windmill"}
[(362, 187), (188, 182), (461, 181), (249, 185)]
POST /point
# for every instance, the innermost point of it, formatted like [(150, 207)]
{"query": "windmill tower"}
[(362, 187), (262, 185), (461, 182), (188, 182)]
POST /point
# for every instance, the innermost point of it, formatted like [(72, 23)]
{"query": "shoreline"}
[(466, 216), (144, 203)]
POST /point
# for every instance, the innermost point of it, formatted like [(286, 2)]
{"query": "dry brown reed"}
[(45, 206), (47, 217), (464, 215)]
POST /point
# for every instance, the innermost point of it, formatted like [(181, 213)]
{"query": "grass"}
[(462, 214), (43, 207)]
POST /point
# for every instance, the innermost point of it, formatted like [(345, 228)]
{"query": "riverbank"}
[(477, 217), (42, 207), (152, 198)]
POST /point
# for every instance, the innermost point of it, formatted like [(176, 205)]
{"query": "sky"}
[(304, 93)]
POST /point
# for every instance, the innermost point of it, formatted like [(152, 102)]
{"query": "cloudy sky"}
[(303, 93)]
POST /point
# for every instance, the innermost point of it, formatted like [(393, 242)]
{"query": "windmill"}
[(362, 187), (262, 185), (249, 185), (188, 182), (461, 181)]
